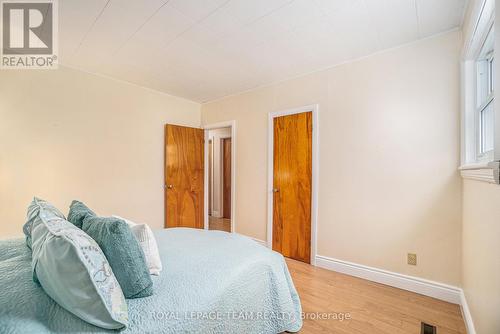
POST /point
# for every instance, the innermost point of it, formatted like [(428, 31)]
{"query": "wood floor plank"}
[(375, 308), (220, 224)]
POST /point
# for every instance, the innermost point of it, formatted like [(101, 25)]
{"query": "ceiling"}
[(205, 49)]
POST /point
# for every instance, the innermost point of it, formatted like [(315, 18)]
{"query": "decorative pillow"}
[(146, 238), (32, 216), (72, 269), (77, 213), (123, 252)]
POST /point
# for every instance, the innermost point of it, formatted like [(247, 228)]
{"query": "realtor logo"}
[(29, 31)]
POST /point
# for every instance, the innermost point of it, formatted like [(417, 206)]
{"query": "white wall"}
[(389, 152), (481, 229), (481, 254), (66, 135), (217, 191)]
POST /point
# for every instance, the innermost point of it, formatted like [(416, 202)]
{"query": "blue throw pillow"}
[(72, 269), (77, 213), (123, 252)]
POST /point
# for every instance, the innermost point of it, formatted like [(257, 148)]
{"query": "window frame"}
[(477, 165), (482, 155)]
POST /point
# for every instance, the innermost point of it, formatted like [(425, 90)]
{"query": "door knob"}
[(276, 190), (170, 186)]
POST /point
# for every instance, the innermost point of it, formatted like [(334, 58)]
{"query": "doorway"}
[(196, 192), (292, 183), (220, 179)]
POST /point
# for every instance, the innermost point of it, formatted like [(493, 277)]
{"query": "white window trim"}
[(473, 165), (488, 155), (486, 172)]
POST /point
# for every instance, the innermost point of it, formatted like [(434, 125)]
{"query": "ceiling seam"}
[(190, 27), (418, 19), (90, 29), (139, 28), (288, 3), (375, 24), (162, 48), (464, 13), (195, 24)]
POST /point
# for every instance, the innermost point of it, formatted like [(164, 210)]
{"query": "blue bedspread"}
[(212, 282)]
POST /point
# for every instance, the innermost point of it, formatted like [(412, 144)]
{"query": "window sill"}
[(486, 172)]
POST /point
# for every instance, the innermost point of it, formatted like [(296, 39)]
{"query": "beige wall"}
[(69, 135), (481, 254), (481, 229), (389, 152)]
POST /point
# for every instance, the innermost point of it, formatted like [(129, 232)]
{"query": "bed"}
[(212, 282)]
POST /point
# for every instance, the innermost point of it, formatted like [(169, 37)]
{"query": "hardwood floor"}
[(221, 224), (374, 308)]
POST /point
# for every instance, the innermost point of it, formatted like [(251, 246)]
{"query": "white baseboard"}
[(469, 324), (262, 242), (419, 285)]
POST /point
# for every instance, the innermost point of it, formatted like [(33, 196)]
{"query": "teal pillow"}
[(77, 213), (123, 252), (72, 269)]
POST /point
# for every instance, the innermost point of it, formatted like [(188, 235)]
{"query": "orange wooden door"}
[(210, 176), (292, 184), (184, 179), (226, 183)]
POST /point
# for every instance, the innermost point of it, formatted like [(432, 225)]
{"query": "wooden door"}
[(292, 183), (184, 179), (226, 177), (210, 176)]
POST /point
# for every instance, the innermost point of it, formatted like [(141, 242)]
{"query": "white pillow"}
[(146, 238)]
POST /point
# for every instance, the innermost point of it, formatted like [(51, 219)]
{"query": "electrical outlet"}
[(412, 259)]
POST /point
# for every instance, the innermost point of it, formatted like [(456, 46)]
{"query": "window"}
[(484, 98), (480, 146)]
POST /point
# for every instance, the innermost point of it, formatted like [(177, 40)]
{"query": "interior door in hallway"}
[(292, 184), (184, 176), (210, 176), (226, 177)]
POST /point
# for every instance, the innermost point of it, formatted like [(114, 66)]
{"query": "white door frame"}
[(315, 173), (232, 125)]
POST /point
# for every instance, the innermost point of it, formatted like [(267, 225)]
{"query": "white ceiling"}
[(205, 49)]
